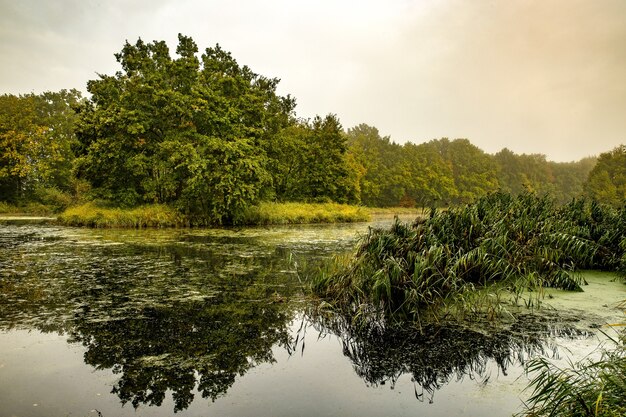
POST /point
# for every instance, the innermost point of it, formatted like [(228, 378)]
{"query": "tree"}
[(379, 160), (310, 163), (474, 172), (607, 180), (36, 135), (193, 132), (428, 177)]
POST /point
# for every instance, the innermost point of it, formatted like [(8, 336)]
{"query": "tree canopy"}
[(36, 135), (607, 180), (189, 131), (210, 137)]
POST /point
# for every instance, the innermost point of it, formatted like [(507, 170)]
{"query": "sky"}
[(543, 76)]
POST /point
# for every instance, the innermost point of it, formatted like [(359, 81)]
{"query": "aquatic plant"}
[(518, 243), (587, 388)]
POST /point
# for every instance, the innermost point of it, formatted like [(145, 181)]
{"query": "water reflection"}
[(441, 353), (170, 316), (190, 311)]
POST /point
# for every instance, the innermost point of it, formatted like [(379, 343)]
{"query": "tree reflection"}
[(156, 349), (440, 353), (186, 317)]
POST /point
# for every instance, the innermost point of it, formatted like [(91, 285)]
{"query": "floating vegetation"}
[(415, 272)]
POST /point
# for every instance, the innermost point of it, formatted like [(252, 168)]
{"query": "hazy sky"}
[(540, 76)]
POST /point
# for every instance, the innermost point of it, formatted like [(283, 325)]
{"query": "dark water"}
[(215, 323)]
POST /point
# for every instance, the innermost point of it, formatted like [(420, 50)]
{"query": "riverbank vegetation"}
[(212, 139), (412, 273), (299, 213), (100, 215)]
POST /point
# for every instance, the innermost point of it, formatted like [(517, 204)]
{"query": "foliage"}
[(310, 163), (588, 388), (512, 242), (474, 172), (296, 213), (607, 180), (36, 135), (443, 172), (602, 224), (93, 215), (189, 131), (428, 178), (380, 183)]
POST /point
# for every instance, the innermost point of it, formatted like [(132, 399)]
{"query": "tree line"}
[(210, 137)]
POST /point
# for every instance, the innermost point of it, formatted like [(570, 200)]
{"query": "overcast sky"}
[(541, 76)]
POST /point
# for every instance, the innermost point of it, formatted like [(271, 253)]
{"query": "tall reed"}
[(410, 271)]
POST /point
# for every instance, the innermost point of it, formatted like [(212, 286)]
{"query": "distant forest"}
[(211, 137)]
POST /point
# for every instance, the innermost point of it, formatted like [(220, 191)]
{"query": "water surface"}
[(214, 323)]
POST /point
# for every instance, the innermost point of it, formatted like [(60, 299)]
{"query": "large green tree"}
[(311, 163), (36, 135), (191, 131), (474, 171), (428, 178), (607, 180), (379, 161)]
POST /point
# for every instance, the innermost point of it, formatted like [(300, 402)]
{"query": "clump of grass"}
[(587, 388), (94, 215), (298, 213), (412, 271)]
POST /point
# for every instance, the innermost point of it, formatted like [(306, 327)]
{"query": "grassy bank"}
[(94, 215), (91, 215), (299, 213)]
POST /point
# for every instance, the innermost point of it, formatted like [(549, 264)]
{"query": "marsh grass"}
[(95, 215), (298, 213), (465, 260)]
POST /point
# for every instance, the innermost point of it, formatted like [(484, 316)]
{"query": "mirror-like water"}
[(214, 322)]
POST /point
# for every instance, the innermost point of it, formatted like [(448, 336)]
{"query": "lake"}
[(217, 323)]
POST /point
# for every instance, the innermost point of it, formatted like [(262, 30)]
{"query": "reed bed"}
[(298, 213), (410, 272)]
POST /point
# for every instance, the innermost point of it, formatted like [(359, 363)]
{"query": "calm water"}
[(214, 323)]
